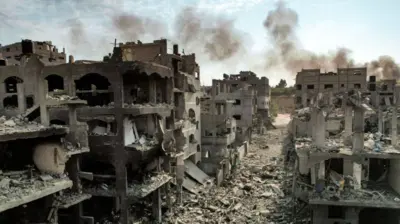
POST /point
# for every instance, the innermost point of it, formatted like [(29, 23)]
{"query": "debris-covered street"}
[(255, 193)]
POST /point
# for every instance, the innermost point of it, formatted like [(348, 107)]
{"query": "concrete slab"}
[(16, 200), (135, 191), (30, 131), (68, 200), (190, 185), (195, 172)]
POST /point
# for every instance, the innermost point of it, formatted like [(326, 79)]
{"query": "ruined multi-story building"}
[(45, 50), (40, 178), (143, 117), (309, 82), (350, 177), (251, 96), (220, 146)]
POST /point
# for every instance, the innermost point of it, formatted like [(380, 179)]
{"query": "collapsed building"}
[(40, 176), (142, 113), (349, 175)]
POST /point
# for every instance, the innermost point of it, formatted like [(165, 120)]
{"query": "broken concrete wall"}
[(45, 49), (333, 125), (132, 51), (80, 136), (26, 74), (243, 108), (302, 128), (190, 66)]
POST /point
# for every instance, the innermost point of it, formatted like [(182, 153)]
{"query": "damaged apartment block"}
[(40, 178), (221, 149), (142, 116), (138, 110), (348, 173), (251, 96)]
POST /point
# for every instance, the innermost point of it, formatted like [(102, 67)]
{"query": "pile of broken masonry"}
[(255, 193)]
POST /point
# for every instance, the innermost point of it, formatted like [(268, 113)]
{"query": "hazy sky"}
[(368, 28)]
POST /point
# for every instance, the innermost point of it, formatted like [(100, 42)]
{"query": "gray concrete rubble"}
[(18, 127), (256, 192)]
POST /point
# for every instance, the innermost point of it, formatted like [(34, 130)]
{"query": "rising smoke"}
[(199, 31), (133, 27), (216, 35), (281, 25), (76, 33)]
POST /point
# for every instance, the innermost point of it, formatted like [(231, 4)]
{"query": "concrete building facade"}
[(251, 96), (143, 110), (220, 147), (41, 176), (45, 50), (309, 82)]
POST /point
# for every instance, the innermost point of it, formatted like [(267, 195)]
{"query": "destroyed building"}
[(45, 50), (350, 177), (251, 96), (143, 118), (40, 176), (311, 81), (220, 147)]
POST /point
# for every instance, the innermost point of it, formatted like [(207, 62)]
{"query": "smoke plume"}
[(281, 25), (195, 30), (134, 27), (216, 35), (385, 67), (77, 34)]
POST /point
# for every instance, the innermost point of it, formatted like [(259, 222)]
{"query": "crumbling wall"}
[(302, 128), (132, 51), (27, 73), (244, 108)]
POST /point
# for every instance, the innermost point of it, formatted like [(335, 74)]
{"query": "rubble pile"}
[(17, 184), (145, 143), (339, 187), (61, 97), (373, 143), (257, 192), (19, 124)]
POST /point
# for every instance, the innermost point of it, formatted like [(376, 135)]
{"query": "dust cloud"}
[(132, 27), (214, 35), (76, 31), (281, 25)]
